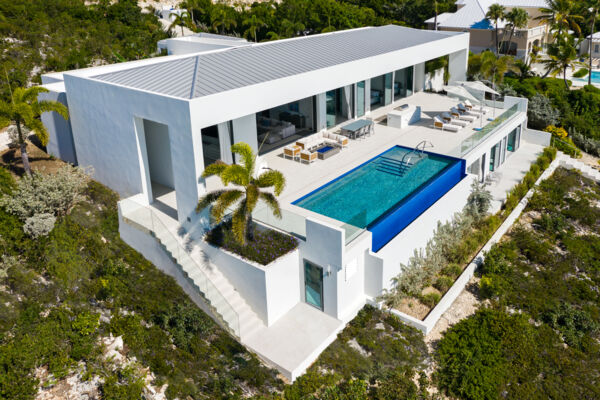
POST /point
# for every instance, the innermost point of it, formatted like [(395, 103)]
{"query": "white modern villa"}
[(372, 162)]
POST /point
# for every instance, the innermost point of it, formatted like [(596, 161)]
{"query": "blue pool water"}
[(366, 193), (595, 77), (324, 149)]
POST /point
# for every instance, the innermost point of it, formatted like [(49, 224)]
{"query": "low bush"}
[(430, 299), (39, 225), (580, 73), (443, 283), (267, 246), (46, 193)]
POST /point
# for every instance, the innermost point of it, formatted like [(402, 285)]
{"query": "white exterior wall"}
[(324, 247), (457, 65), (60, 143), (102, 119), (419, 77), (386, 262)]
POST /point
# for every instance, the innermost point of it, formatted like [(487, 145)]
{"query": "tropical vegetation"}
[(539, 336), (23, 111)]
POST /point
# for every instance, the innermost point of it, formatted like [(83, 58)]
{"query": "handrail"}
[(221, 305)]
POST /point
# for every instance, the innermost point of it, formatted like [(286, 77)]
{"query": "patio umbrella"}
[(478, 86), (462, 93)]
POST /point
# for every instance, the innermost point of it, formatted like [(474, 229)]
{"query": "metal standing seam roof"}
[(210, 73)]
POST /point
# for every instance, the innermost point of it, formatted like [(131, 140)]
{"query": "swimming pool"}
[(595, 77), (383, 195)]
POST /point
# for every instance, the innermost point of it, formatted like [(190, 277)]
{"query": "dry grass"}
[(38, 159)]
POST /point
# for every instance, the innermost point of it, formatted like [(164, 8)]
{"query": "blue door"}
[(313, 284)]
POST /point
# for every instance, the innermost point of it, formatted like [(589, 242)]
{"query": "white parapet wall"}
[(537, 137), (270, 290)]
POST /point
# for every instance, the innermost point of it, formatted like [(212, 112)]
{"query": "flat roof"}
[(222, 70)]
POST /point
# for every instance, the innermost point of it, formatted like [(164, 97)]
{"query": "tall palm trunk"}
[(512, 32), (23, 147), (591, 40), (497, 43), (565, 77)]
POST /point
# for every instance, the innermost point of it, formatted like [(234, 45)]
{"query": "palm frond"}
[(30, 95), (215, 168), (224, 201), (47, 106), (39, 129), (208, 199), (236, 174), (272, 203), (272, 178), (247, 155)]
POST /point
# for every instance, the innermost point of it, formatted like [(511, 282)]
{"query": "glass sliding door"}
[(511, 143), (284, 124), (339, 105), (495, 155), (211, 150), (388, 88), (377, 95), (403, 83), (313, 284), (360, 99)]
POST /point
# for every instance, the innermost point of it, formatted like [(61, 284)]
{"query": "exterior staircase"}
[(227, 305), (586, 170)]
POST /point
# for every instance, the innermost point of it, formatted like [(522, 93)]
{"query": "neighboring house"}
[(585, 47), (149, 128), (470, 16)]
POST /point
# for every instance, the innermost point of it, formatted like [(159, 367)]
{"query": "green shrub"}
[(575, 325), (46, 193), (123, 384), (452, 270), (430, 299), (7, 182), (580, 73), (39, 225), (443, 283)]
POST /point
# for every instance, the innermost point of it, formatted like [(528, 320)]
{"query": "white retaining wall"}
[(536, 137)]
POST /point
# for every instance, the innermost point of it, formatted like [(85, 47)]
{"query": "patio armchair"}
[(454, 121), (291, 151), (307, 156), (439, 124), (457, 114)]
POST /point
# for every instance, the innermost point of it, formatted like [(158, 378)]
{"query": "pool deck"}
[(302, 179)]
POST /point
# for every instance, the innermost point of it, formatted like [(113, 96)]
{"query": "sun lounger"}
[(471, 111), (454, 121), (457, 114), (439, 124)]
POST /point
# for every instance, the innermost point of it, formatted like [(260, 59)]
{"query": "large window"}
[(381, 91), (285, 124), (211, 150), (403, 83), (360, 99), (338, 105)]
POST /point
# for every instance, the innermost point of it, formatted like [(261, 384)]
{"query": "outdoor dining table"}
[(355, 128)]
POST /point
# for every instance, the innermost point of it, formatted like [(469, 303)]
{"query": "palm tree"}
[(291, 29), (193, 5), (595, 7), (247, 193), (494, 68), (220, 18), (181, 20), (496, 13), (254, 24), (562, 55), (435, 19), (24, 110), (518, 19), (560, 16)]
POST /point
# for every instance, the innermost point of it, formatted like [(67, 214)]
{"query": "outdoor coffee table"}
[(326, 151)]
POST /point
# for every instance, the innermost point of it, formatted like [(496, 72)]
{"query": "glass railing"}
[(473, 141), (352, 232), (289, 222), (145, 217)]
